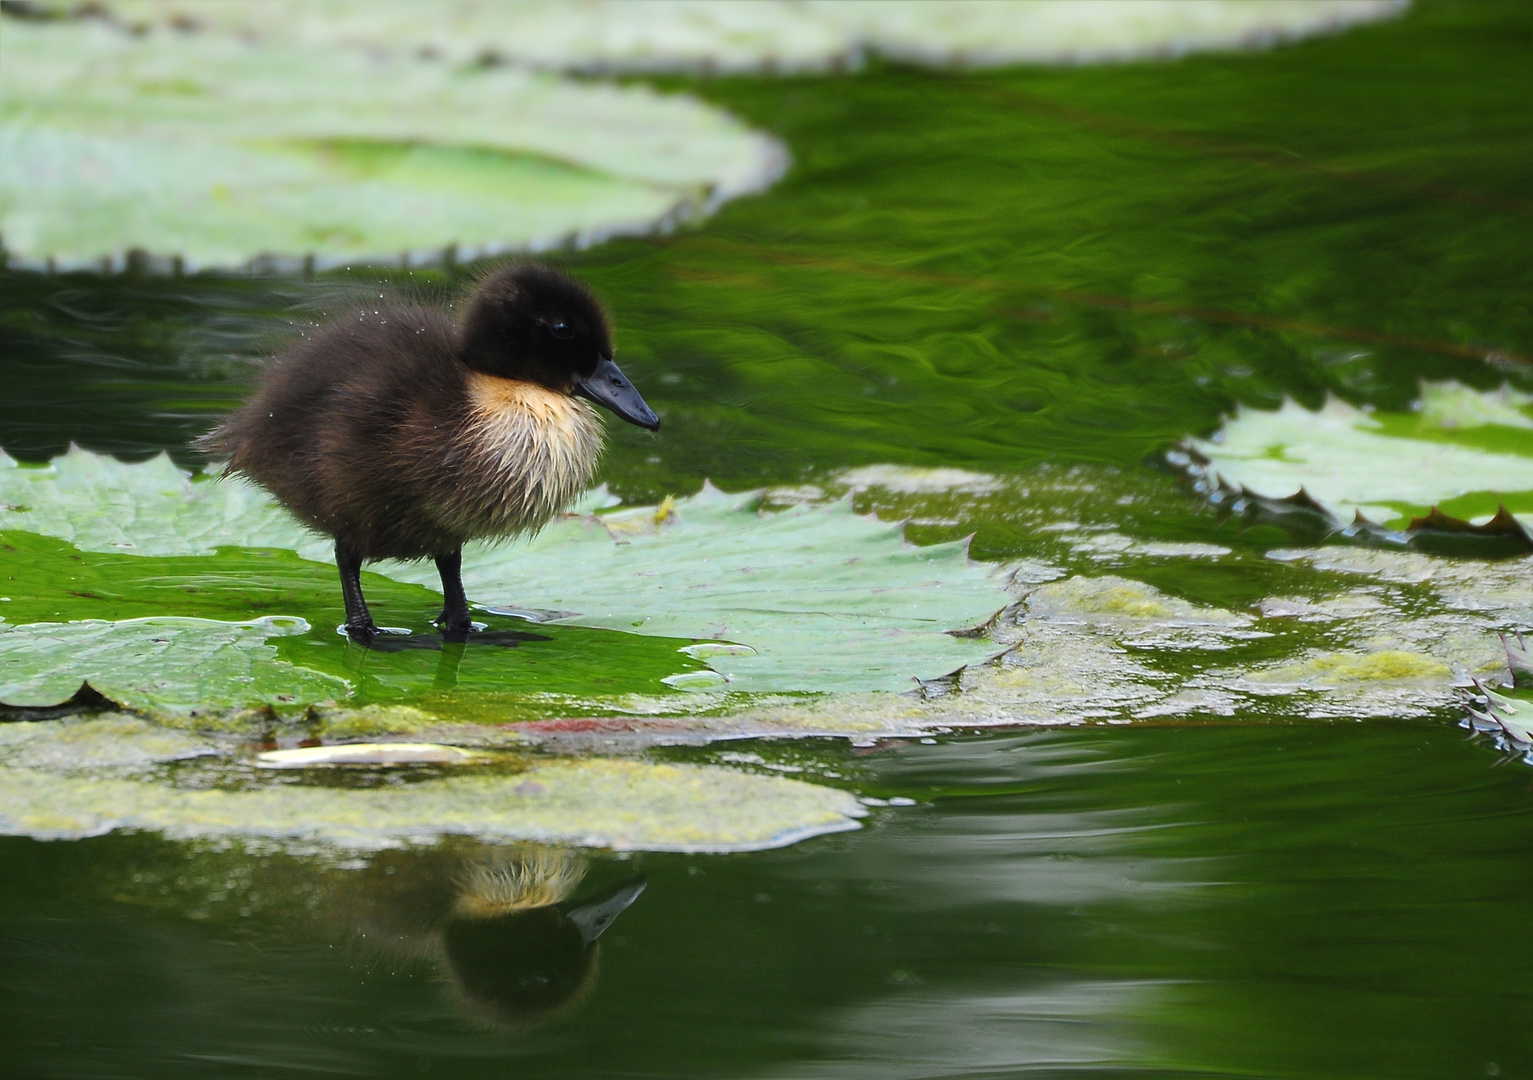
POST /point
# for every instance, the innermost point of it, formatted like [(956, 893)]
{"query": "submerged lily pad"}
[(109, 741), (625, 805)]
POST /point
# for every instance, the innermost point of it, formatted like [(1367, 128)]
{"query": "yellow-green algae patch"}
[(623, 805), (1112, 599), (1336, 668), (110, 740), (354, 723)]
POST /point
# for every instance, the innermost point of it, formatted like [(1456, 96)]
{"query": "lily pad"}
[(162, 662), (598, 803), (70, 616), (1464, 451), (218, 149), (625, 805), (773, 35), (823, 598)]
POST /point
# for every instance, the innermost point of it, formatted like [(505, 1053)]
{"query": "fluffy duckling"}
[(403, 434)]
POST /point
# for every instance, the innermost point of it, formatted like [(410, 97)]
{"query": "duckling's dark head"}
[(538, 324)]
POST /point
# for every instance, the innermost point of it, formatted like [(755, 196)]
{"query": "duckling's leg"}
[(359, 621), (454, 618)]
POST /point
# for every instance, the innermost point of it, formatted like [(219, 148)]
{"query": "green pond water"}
[(1269, 863)]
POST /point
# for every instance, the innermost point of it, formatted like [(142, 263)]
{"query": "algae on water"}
[(618, 804)]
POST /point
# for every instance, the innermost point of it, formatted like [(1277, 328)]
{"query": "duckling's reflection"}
[(449, 645), (500, 925)]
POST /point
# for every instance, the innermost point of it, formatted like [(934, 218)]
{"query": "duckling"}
[(403, 434)]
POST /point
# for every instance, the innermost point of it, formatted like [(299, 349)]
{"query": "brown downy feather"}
[(404, 434), (373, 431)]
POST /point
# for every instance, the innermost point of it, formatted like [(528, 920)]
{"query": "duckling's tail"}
[(219, 442)]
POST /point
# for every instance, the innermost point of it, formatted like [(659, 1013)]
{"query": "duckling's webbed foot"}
[(359, 621), (454, 619)]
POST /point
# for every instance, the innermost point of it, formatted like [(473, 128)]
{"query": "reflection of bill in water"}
[(499, 923)]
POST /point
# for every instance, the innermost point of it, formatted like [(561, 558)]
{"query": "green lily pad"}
[(219, 149), (1465, 451), (247, 628), (808, 599), (160, 662), (824, 598)]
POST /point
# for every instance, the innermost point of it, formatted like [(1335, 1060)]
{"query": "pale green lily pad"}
[(158, 663), (98, 503), (218, 149), (823, 598), (1513, 716), (775, 35), (1463, 450), (624, 805)]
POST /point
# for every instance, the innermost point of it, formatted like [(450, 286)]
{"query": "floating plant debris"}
[(369, 754)]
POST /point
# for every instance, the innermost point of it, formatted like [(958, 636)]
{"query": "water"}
[(1280, 901), (1020, 273)]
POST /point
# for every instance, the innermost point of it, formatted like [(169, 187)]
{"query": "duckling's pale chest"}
[(528, 452)]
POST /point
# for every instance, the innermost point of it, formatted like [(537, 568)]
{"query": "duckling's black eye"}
[(561, 330)]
